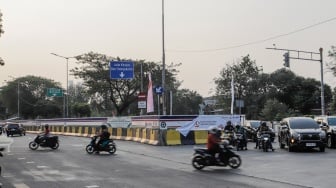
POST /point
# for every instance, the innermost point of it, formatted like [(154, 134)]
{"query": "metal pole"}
[(63, 104), (171, 102), (67, 96), (163, 64), (158, 98), (18, 100), (141, 87), (322, 84)]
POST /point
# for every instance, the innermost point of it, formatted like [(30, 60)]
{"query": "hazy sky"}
[(132, 29)]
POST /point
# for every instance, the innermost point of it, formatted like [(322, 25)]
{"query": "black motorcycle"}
[(1, 155), (203, 158), (40, 140), (264, 141), (108, 146), (240, 141)]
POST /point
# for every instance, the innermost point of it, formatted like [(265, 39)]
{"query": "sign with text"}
[(121, 70), (54, 92)]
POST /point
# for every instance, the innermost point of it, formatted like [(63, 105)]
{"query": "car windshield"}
[(303, 124), (12, 126), (255, 124), (332, 121)]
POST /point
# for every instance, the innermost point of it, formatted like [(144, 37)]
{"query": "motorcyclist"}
[(46, 133), (229, 127), (262, 128), (103, 136), (213, 142)]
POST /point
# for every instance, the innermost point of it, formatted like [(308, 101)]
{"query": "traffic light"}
[(286, 59)]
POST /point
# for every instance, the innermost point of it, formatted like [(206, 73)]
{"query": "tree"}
[(117, 96), (186, 102), (332, 54), (32, 97), (274, 110), (81, 110), (243, 73), (1, 32)]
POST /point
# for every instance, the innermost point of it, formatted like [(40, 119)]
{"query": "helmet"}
[(263, 123), (213, 130), (46, 126), (103, 127), (228, 123)]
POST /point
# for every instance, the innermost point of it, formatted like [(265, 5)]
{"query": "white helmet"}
[(213, 130)]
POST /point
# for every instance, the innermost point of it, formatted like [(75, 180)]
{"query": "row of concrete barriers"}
[(143, 135)]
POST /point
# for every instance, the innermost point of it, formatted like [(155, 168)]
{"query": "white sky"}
[(132, 29)]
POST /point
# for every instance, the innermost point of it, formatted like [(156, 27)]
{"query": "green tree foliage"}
[(1, 32), (332, 54), (186, 102), (244, 74), (81, 110), (274, 110), (117, 96), (33, 100)]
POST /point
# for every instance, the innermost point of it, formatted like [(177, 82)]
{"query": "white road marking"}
[(22, 158), (92, 186), (41, 166), (10, 154), (20, 185), (30, 162)]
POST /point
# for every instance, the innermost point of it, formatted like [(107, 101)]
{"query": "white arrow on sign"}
[(122, 74)]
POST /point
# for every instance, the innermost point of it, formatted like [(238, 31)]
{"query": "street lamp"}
[(163, 64), (67, 81)]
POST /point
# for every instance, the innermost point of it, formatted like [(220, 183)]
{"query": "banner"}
[(150, 100), (204, 122)]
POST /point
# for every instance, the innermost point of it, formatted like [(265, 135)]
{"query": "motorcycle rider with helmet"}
[(229, 127), (213, 142), (103, 136), (262, 128)]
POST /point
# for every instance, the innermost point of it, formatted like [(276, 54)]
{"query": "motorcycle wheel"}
[(198, 162), (89, 149), (113, 149), (55, 146), (33, 145), (234, 161)]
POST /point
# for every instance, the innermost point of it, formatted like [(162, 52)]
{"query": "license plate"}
[(310, 144)]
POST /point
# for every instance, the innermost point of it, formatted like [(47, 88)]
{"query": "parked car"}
[(14, 129), (301, 132), (328, 124), (252, 125)]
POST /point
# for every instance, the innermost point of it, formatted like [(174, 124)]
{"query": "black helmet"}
[(103, 127), (228, 123), (46, 126), (263, 123)]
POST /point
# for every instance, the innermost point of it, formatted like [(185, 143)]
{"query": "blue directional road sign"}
[(121, 70), (158, 90)]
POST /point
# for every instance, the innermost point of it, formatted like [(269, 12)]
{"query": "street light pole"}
[(163, 65), (67, 81)]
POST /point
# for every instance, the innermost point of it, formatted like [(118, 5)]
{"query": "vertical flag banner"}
[(150, 99), (232, 94)]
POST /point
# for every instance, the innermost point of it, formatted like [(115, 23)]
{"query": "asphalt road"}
[(138, 165)]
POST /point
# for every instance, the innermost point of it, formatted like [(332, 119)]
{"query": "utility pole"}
[(300, 52)]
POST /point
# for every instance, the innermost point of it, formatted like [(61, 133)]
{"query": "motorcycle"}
[(264, 141), (229, 136), (203, 158), (108, 146), (240, 142), (1, 155), (51, 141)]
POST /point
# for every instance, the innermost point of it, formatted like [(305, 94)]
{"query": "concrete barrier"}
[(152, 136)]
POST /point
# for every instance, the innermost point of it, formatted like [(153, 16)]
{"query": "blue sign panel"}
[(121, 70), (158, 90)]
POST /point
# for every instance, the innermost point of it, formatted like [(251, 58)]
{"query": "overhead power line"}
[(254, 42)]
